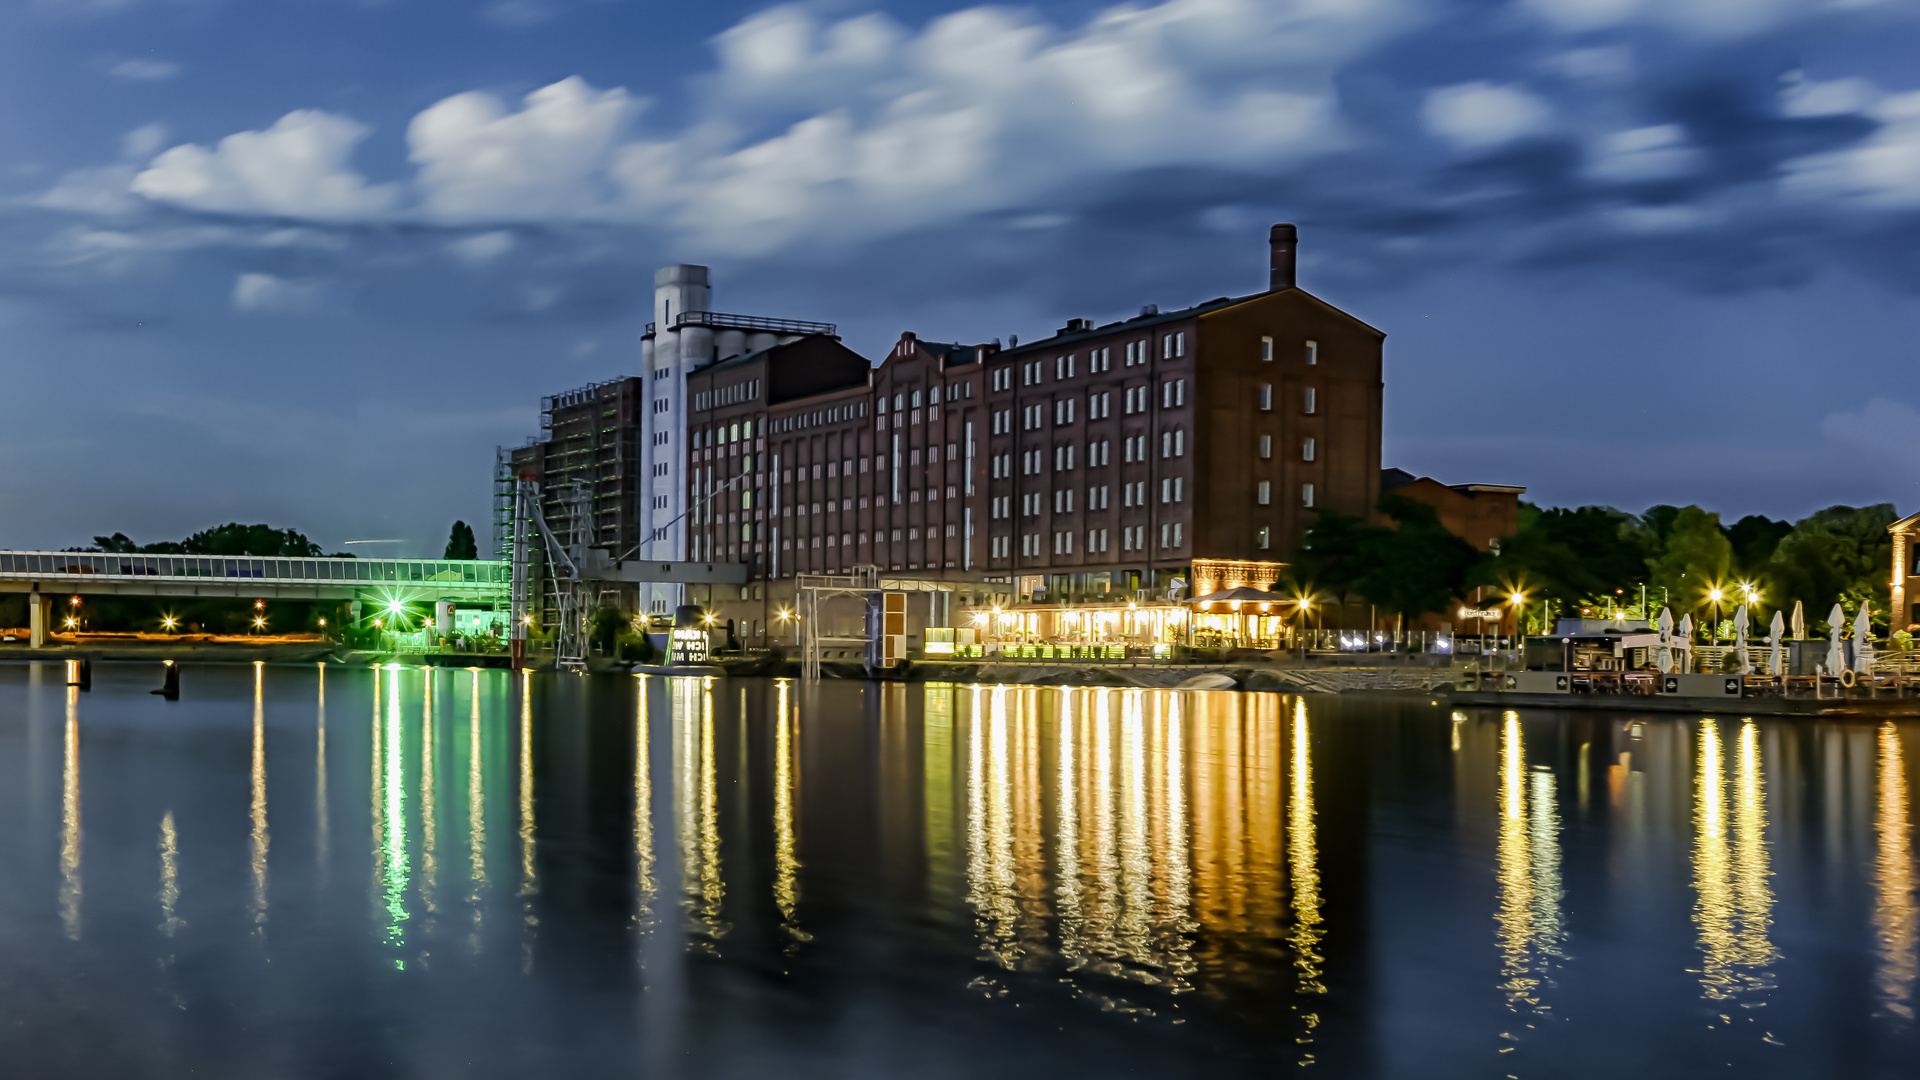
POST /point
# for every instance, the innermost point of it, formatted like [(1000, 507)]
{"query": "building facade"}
[(1101, 463)]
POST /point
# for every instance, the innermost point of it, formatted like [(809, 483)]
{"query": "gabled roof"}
[(1221, 303)]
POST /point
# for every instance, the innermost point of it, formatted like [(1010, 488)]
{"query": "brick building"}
[(1119, 454)]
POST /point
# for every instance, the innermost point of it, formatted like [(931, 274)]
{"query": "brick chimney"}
[(1281, 240)]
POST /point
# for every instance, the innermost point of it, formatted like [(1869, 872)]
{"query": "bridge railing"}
[(77, 564)]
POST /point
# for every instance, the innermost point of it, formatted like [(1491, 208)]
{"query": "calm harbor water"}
[(414, 872)]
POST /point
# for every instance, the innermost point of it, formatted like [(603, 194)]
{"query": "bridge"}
[(466, 582)]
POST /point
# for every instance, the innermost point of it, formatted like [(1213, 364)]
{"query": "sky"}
[(308, 262)]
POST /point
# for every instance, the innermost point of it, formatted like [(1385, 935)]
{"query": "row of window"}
[(745, 390)]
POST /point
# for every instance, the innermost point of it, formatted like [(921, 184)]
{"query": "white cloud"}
[(1802, 97), (1882, 422), (297, 168), (144, 70), (265, 292), (1703, 18), (1883, 170), (816, 128), (1482, 116), (1642, 154), (483, 248), (143, 141), (480, 162)]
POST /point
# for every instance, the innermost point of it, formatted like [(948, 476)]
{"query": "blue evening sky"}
[(308, 262)]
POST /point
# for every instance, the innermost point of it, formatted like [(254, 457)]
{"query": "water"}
[(436, 873)]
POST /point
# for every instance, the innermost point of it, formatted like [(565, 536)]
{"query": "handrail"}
[(722, 321)]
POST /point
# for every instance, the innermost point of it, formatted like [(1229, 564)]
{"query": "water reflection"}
[(169, 895), (1734, 908), (70, 820), (257, 838), (1893, 912), (1530, 928), (786, 864)]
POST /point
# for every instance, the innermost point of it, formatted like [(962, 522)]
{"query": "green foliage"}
[(605, 629), (1841, 554), (1696, 557), (1754, 539), (1416, 567), (232, 540), (460, 543)]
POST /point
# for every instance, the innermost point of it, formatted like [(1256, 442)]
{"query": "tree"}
[(1696, 558), (1839, 555), (460, 543), (1414, 567), (1754, 539)]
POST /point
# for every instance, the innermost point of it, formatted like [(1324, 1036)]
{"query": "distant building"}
[(1480, 514)]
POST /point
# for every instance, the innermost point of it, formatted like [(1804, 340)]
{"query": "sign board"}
[(1479, 613), (689, 645)]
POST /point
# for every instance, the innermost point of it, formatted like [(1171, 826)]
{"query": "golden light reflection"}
[(1894, 920), (170, 921), (645, 886), (990, 889), (529, 880), (1303, 865), (476, 815), (70, 820), (257, 838), (1733, 908), (1530, 928), (709, 889), (322, 836), (786, 864)]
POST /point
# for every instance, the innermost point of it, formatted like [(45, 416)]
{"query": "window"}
[(1306, 495), (1313, 352), (1266, 348), (1263, 493), (1266, 396), (1306, 449), (1262, 538), (1266, 447), (1309, 402)]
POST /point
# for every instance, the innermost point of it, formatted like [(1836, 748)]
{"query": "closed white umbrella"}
[(1863, 641), (1773, 642), (1665, 656), (1836, 662), (1740, 640), (1685, 642)]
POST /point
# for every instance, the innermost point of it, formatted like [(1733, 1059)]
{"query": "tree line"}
[(1595, 556)]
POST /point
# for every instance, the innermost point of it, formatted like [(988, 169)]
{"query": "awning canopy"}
[(1244, 594)]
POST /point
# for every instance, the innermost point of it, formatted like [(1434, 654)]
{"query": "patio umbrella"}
[(1773, 640), (1799, 622), (1666, 641), (1740, 641), (1835, 620), (1863, 641), (1686, 642)]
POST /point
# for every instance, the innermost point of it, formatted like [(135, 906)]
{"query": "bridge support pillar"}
[(37, 614)]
